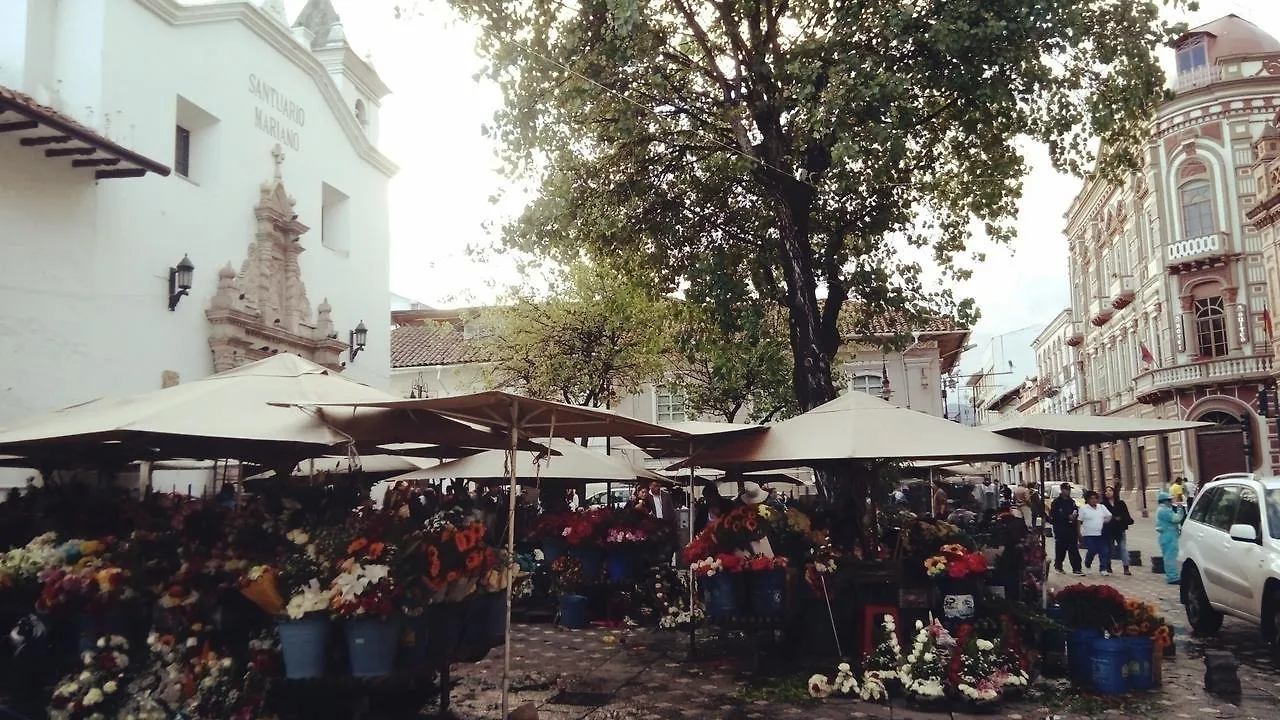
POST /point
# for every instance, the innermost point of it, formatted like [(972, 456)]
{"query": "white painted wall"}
[(83, 281)]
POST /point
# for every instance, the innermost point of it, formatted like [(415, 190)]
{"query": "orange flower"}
[(357, 545), (375, 550), (451, 576), (464, 541), (475, 560)]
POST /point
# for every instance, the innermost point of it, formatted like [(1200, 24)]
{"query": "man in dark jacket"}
[(1064, 515)]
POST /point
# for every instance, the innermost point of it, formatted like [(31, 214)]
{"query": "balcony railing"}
[(1100, 311), (1252, 367), (1194, 249), (1123, 290), (1197, 78)]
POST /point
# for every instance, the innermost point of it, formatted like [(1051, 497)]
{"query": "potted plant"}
[(568, 585), (924, 674), (975, 670)]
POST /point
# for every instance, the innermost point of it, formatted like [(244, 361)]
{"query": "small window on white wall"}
[(867, 383), (194, 141), (335, 221), (671, 405)]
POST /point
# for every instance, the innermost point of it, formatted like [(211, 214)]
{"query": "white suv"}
[(1230, 550)]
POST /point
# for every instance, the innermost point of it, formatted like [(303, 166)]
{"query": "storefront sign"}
[(1180, 333), (276, 115), (1242, 322)]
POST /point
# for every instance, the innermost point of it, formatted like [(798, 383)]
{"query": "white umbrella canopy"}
[(222, 416), (856, 426), (573, 463), (1068, 432)]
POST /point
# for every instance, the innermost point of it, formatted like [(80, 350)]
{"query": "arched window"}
[(1197, 209), (869, 384), (1211, 327), (362, 115)]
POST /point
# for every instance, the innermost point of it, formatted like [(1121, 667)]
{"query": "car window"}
[(1249, 512), (1200, 510), (1223, 513), (1273, 512)]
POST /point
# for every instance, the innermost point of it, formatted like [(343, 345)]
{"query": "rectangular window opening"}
[(182, 152), (335, 220)]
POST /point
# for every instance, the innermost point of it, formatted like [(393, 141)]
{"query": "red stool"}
[(872, 618)]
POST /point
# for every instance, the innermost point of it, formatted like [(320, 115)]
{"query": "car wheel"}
[(1200, 614), (1271, 621)]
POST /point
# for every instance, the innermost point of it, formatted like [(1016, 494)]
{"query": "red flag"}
[(1145, 354), (1266, 322)]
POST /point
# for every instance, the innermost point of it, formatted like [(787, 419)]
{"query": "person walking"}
[(1064, 515), (1094, 519), (1168, 527), (1118, 528)]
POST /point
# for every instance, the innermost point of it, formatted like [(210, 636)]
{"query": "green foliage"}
[(594, 337), (732, 355), (800, 143)]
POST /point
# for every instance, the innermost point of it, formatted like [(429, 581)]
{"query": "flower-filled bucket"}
[(371, 644), (1110, 664), (620, 565), (302, 642), (573, 612), (592, 559), (1080, 654), (1141, 651), (723, 594), (766, 591)]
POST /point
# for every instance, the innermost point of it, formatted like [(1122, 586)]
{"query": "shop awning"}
[(41, 128)]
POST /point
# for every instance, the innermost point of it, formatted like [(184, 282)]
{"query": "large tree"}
[(808, 140), (588, 340)]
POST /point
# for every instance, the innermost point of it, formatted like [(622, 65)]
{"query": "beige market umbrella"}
[(226, 416), (1067, 432), (573, 463), (856, 426)]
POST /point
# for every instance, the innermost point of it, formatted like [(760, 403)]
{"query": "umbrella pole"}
[(692, 592), (511, 550)]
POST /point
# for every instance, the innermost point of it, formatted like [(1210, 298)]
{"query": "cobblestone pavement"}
[(647, 676)]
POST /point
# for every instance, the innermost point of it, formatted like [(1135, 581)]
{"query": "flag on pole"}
[(1145, 354), (1266, 322)]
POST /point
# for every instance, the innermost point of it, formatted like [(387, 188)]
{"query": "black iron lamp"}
[(356, 339), (180, 281)]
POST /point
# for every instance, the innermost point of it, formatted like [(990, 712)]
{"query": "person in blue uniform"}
[(1168, 527)]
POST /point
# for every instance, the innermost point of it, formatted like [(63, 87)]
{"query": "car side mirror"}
[(1244, 533)]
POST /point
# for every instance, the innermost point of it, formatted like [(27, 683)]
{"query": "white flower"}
[(93, 697), (310, 598), (985, 645), (110, 687), (191, 642), (919, 625), (873, 689), (928, 657), (819, 686), (102, 642), (844, 668)]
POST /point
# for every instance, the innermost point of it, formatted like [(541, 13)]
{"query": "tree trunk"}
[(811, 376)]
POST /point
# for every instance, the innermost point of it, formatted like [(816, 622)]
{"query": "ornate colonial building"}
[(1057, 385), (186, 187), (1168, 287)]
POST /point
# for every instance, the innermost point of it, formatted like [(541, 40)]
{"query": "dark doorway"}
[(1219, 449)]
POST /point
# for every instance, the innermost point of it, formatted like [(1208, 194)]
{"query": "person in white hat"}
[(752, 494)]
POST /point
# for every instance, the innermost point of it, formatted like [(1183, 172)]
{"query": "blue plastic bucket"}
[(592, 559), (1054, 646), (1141, 652), (620, 565), (486, 619), (1080, 654), (371, 645), (723, 594), (553, 548), (573, 612), (302, 642), (1110, 665), (766, 592)]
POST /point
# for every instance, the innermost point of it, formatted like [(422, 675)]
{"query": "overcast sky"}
[(440, 202)]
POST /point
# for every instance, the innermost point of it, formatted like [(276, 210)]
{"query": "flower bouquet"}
[(976, 670), (587, 528), (956, 562), (844, 684), (1091, 607), (721, 581), (96, 691), (363, 591), (880, 670), (261, 586), (924, 675)]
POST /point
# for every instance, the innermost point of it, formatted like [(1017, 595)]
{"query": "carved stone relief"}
[(263, 309)]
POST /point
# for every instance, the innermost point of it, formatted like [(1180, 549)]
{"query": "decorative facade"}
[(1057, 386), (149, 237), (1167, 281)]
